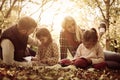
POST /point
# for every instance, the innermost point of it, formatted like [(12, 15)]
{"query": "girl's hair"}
[(44, 32), (90, 35), (26, 23), (78, 31), (66, 21)]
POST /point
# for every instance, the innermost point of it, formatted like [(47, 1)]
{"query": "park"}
[(87, 14)]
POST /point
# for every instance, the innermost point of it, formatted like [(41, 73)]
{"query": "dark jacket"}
[(19, 41)]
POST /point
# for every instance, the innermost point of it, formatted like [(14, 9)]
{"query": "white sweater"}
[(95, 54), (8, 51)]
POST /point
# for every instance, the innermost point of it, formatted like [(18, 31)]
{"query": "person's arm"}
[(63, 46), (7, 51), (8, 54), (36, 58), (78, 52), (33, 42), (100, 56)]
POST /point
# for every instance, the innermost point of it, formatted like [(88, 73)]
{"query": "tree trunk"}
[(107, 4)]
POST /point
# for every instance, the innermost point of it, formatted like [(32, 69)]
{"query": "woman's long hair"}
[(78, 31)]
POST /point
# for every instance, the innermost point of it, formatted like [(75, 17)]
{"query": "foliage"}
[(87, 13), (55, 73)]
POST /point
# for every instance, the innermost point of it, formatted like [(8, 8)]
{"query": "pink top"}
[(95, 54)]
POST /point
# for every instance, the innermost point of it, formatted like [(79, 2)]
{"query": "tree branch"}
[(2, 4), (112, 2), (100, 9)]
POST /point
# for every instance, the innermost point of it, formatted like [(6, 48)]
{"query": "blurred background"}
[(87, 13)]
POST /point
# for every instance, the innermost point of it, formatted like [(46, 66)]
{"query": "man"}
[(14, 41), (111, 58)]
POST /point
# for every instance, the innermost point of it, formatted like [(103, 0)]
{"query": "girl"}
[(89, 52), (48, 50), (70, 37)]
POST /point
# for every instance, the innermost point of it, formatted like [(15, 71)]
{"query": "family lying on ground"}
[(83, 45)]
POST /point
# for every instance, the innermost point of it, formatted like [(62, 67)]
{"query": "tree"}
[(106, 10), (6, 9), (9, 8)]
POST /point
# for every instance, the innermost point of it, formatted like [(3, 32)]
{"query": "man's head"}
[(26, 25), (102, 28)]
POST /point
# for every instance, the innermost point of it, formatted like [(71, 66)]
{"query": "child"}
[(48, 50), (89, 52)]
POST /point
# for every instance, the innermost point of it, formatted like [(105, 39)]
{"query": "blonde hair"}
[(78, 31)]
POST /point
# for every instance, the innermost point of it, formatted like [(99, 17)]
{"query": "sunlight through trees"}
[(87, 13)]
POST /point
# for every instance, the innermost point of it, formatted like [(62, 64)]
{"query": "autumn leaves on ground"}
[(56, 73)]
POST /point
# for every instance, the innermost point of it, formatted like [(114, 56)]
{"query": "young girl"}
[(89, 53), (70, 37), (48, 50)]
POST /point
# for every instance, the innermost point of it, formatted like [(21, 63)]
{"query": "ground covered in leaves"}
[(56, 73)]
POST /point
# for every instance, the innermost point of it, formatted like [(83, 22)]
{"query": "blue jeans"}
[(112, 59)]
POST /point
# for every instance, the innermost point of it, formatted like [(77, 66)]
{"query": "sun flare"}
[(51, 17)]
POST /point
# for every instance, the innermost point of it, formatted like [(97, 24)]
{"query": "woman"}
[(70, 37)]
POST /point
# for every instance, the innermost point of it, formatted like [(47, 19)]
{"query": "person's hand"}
[(89, 61), (65, 62), (34, 59)]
